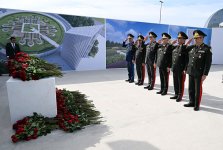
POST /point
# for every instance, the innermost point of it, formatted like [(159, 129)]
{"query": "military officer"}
[(140, 59), (164, 56), (130, 56), (179, 60), (200, 58), (150, 60)]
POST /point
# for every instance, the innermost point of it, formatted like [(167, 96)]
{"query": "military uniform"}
[(150, 60), (140, 60), (200, 59), (129, 58), (164, 56), (179, 60)]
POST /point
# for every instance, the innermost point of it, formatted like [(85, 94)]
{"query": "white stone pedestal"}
[(26, 97)]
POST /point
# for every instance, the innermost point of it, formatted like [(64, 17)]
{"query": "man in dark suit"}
[(164, 56), (12, 48), (200, 59), (179, 60), (140, 59), (130, 56), (150, 60)]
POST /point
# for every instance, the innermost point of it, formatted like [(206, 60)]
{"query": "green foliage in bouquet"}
[(31, 127), (74, 112), (28, 67)]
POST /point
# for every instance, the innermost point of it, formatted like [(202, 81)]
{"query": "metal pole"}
[(161, 2)]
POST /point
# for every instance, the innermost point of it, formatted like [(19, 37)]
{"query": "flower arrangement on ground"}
[(74, 112)]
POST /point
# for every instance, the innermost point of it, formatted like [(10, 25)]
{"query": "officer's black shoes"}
[(159, 92), (131, 81), (189, 105), (146, 87), (178, 99), (127, 80), (164, 93), (137, 83), (150, 88), (174, 97), (140, 83), (196, 108)]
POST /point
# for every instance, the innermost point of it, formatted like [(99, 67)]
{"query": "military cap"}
[(140, 37), (198, 33), (130, 35), (152, 34), (166, 35), (182, 35)]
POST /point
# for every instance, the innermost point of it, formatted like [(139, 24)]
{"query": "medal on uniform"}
[(199, 56)]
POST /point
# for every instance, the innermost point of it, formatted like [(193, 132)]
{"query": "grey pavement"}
[(134, 118)]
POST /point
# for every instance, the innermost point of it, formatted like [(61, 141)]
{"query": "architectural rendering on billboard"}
[(71, 42)]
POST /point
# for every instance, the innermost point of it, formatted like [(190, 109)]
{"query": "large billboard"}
[(71, 42), (77, 42)]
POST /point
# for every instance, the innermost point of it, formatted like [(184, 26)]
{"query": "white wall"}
[(217, 45)]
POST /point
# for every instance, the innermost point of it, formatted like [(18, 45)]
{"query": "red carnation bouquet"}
[(27, 67)]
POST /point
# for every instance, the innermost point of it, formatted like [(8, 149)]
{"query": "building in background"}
[(215, 20)]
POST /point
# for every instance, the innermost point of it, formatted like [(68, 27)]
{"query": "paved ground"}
[(135, 119)]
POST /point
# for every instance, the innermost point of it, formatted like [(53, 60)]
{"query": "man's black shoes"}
[(189, 105)]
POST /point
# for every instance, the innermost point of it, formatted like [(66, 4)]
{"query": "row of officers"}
[(180, 57)]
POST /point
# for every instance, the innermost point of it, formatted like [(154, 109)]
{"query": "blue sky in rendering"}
[(175, 12), (117, 30)]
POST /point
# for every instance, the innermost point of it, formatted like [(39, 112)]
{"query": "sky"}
[(174, 12)]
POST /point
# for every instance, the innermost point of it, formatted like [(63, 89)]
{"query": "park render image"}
[(35, 33)]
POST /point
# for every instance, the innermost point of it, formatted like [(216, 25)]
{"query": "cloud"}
[(114, 35), (109, 28), (132, 31), (120, 22)]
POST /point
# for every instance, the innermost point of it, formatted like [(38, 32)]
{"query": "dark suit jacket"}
[(200, 59), (179, 58), (164, 56), (10, 51)]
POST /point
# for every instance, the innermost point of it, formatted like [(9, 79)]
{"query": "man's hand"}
[(168, 69), (174, 42), (154, 65), (189, 41), (143, 64), (203, 78), (133, 61)]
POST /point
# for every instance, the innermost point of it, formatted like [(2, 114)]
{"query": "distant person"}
[(130, 56), (199, 64), (150, 60), (12, 48), (140, 59), (179, 61), (164, 56)]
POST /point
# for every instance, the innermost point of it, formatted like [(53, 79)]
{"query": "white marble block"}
[(26, 97)]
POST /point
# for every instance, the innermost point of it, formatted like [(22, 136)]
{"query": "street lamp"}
[(161, 2)]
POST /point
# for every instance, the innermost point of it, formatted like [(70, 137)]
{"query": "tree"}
[(77, 21), (94, 49)]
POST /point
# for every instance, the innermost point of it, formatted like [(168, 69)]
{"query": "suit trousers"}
[(130, 67), (178, 82), (164, 79), (151, 74), (195, 90)]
